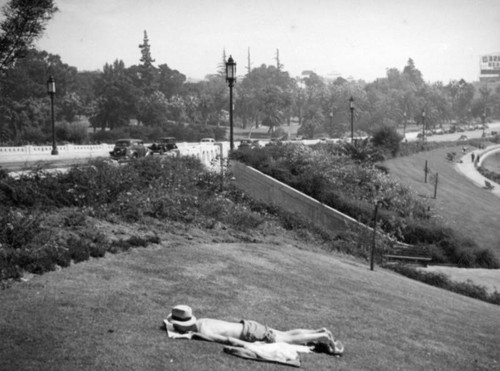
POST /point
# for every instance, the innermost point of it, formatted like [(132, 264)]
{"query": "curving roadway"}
[(468, 168)]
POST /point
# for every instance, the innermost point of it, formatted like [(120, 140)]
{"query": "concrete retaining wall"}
[(266, 189)]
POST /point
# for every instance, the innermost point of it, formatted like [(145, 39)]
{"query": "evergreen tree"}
[(146, 59), (279, 66), (249, 64), (221, 68), (147, 72)]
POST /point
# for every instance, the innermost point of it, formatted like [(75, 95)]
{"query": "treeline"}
[(159, 98)]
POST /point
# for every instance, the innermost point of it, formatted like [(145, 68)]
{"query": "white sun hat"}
[(182, 315)]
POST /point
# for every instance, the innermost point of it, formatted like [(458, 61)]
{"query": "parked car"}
[(274, 142), (128, 148), (163, 145), (249, 143), (207, 140)]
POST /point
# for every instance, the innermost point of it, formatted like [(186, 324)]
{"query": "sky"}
[(357, 39)]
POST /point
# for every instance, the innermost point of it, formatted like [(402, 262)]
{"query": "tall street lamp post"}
[(404, 124), (483, 121), (423, 125), (51, 89), (231, 79), (351, 107)]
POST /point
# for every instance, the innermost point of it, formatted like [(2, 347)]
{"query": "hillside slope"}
[(105, 314), (463, 205)]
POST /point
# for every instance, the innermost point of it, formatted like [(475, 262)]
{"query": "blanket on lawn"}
[(283, 353)]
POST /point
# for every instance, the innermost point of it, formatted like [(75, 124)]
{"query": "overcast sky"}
[(358, 38)]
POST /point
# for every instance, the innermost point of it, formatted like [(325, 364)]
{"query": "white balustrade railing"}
[(207, 153)]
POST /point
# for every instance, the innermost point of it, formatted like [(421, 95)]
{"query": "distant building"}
[(489, 67)]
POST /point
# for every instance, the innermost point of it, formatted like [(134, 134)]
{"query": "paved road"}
[(495, 126), (467, 167)]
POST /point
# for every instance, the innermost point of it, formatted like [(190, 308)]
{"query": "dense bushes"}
[(442, 281), (329, 174), (46, 218), (491, 175), (388, 139)]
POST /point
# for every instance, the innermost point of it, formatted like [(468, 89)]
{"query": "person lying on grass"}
[(248, 331)]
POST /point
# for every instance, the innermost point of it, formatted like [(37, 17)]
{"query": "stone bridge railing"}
[(207, 153)]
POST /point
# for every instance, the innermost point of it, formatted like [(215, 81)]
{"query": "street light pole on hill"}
[(51, 89), (423, 125), (351, 107), (231, 79)]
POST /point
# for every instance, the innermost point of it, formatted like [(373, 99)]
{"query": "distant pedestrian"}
[(472, 156)]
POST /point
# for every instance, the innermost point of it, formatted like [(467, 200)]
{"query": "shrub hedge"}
[(442, 281), (170, 189)]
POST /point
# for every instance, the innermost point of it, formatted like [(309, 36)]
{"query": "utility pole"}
[(249, 64), (278, 63)]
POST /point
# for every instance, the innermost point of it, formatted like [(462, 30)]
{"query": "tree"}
[(213, 98), (221, 67), (413, 74), (153, 109), (461, 94), (265, 96), (388, 139), (28, 78), (116, 97), (24, 21), (272, 102), (23, 89), (170, 81), (147, 73), (71, 107)]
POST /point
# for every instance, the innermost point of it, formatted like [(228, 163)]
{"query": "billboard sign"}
[(489, 65)]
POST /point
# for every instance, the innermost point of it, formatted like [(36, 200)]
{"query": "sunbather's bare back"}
[(210, 326)]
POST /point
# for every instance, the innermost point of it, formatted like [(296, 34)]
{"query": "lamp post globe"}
[(231, 79), (351, 107), (51, 90)]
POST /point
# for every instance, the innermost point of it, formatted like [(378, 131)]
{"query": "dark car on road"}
[(128, 148), (163, 145), (248, 143)]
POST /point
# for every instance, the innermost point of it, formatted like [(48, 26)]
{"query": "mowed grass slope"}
[(106, 314), (460, 203)]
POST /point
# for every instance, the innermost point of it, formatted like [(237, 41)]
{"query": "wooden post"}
[(426, 169), (436, 185), (372, 257)]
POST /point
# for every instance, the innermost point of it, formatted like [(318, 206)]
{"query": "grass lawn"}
[(463, 205), (106, 314)]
